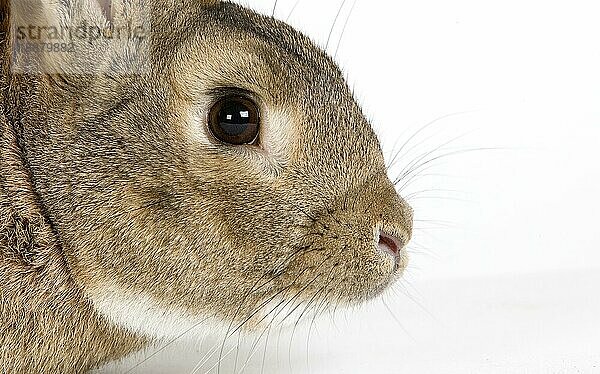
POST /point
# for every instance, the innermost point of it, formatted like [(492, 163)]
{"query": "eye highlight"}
[(234, 120)]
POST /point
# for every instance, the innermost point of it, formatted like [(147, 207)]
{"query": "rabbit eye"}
[(234, 120)]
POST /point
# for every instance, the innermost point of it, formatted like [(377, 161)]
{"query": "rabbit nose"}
[(390, 244)]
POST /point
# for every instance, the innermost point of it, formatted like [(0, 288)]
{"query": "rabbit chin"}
[(141, 314)]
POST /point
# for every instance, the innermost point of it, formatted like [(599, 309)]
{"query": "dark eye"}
[(234, 120)]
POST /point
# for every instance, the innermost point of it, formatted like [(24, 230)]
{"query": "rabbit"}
[(176, 164)]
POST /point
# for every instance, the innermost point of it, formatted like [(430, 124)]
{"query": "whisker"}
[(448, 154), (435, 197), (421, 129), (281, 291), (165, 346), (439, 222), (334, 23), (344, 28), (264, 303), (385, 304), (423, 172), (281, 308), (410, 167), (238, 309), (237, 350), (414, 299), (292, 11), (310, 328), (416, 193), (262, 368), (422, 252), (417, 145), (253, 348), (206, 358), (274, 8)]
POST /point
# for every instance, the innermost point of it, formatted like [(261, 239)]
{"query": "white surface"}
[(518, 75)]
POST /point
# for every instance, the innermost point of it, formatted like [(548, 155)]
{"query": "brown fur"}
[(110, 185)]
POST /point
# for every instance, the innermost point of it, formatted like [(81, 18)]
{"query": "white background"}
[(506, 254)]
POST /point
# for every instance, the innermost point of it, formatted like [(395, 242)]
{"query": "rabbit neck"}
[(47, 324)]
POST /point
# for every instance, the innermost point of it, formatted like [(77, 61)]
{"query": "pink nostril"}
[(389, 243)]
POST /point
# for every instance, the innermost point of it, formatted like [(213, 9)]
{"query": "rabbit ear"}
[(107, 8), (80, 37), (53, 13)]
